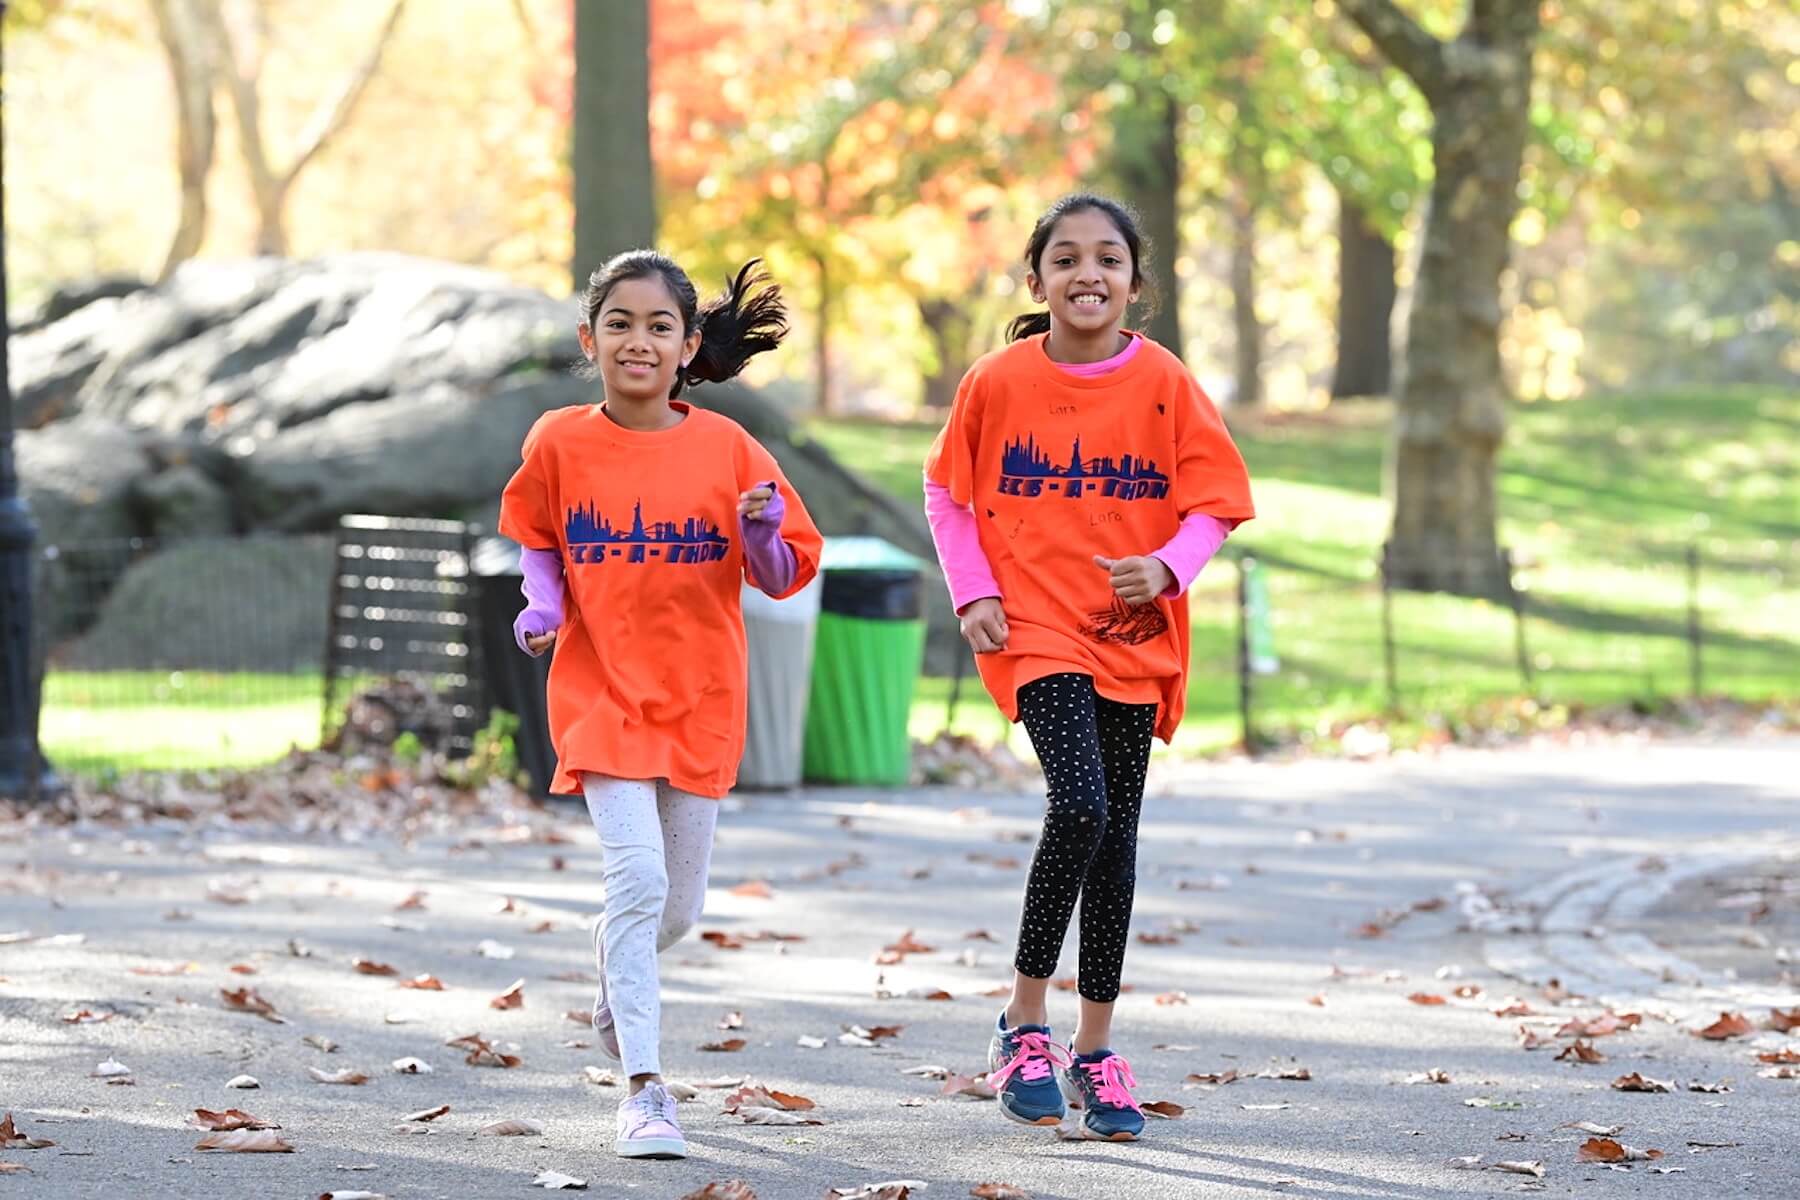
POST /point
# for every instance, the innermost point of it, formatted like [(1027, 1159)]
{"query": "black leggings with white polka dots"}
[(1095, 753)]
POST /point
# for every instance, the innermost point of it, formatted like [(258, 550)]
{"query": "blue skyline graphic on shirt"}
[(1028, 469), (593, 538)]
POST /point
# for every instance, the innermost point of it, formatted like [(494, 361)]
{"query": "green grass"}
[(1603, 496), (94, 722), (1600, 498)]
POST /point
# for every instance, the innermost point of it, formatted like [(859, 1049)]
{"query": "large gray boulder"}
[(277, 395)]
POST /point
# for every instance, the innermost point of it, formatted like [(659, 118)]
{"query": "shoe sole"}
[(1046, 1119), (1019, 1118), (650, 1148), (1074, 1103)]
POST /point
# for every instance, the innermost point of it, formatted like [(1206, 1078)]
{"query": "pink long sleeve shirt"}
[(966, 568)]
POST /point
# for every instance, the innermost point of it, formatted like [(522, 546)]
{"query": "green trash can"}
[(867, 652)]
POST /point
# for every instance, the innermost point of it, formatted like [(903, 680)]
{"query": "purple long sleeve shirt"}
[(770, 560)]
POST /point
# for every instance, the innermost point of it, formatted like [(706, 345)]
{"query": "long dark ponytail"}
[(1123, 218), (744, 320)]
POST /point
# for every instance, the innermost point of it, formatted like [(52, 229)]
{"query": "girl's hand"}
[(1137, 580), (984, 625), (752, 503), (537, 643)]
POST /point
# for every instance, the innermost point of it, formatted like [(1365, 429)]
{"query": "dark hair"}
[(734, 327), (1122, 217)]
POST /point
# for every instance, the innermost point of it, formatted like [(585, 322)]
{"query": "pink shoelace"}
[(1113, 1082), (1033, 1061)]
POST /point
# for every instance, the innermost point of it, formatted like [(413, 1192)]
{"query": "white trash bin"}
[(780, 636)]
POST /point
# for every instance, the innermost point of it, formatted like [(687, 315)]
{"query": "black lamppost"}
[(22, 771)]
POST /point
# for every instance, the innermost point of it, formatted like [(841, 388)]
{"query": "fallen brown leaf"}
[(86, 1016), (776, 1116), (1219, 1078), (1635, 1082), (1172, 998), (349, 1076), (366, 966), (186, 968), (728, 1046), (1426, 998), (231, 1118), (967, 1085), (1166, 1109), (1317, 1001), (1729, 1025), (1530, 1039), (1466, 991), (1534, 1169), (512, 997), (248, 1000), (1159, 939), (730, 1189), (1435, 1075), (1001, 1191), (1606, 1150), (906, 943), (982, 935), (242, 969), (12, 1139), (1787, 1054), (510, 1127), (757, 1096), (427, 1114), (721, 939), (1784, 1022), (756, 889), (246, 1141), (413, 900), (320, 1042), (1580, 1051), (1698, 1085), (482, 1053), (1514, 1007)]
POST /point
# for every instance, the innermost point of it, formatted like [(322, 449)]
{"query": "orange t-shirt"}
[(649, 678), (1058, 468)]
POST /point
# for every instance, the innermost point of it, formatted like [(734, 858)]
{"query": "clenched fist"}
[(1139, 579), (984, 625)]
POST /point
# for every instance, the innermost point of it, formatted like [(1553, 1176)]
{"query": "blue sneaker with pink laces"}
[(1099, 1084), (1022, 1064)]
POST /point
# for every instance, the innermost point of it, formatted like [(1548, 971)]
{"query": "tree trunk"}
[(1365, 309), (615, 193), (1451, 410), (1245, 324), (193, 69), (822, 350), (1147, 161), (949, 327)]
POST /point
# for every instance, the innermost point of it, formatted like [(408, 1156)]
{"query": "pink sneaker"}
[(646, 1126), (603, 1018)]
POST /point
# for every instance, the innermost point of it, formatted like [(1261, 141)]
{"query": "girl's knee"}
[(674, 927), (636, 882)]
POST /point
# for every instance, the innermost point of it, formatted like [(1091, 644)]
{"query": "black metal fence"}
[(220, 652)]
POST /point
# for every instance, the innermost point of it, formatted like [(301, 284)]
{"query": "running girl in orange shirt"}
[(1081, 482), (639, 517)]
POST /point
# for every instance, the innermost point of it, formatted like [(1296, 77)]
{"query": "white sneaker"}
[(603, 1018), (646, 1126)]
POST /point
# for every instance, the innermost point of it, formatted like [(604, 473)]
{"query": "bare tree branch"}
[(269, 183), (192, 52), (328, 119), (1403, 40)]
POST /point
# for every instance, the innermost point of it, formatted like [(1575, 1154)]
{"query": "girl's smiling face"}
[(1086, 274), (637, 340)]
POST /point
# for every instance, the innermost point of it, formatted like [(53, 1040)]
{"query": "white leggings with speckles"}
[(1095, 753), (655, 848)]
